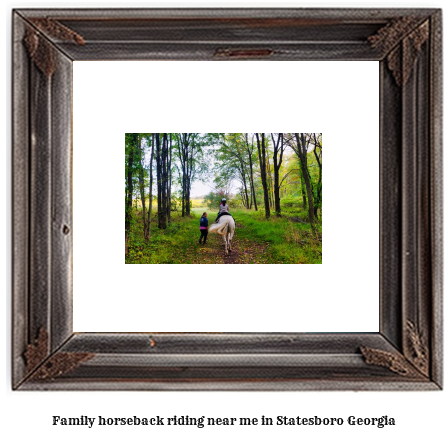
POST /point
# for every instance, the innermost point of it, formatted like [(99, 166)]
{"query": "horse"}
[(225, 227)]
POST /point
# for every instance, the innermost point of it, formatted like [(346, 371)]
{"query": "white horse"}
[(225, 227)]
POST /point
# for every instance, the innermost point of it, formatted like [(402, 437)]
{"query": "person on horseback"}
[(223, 209)]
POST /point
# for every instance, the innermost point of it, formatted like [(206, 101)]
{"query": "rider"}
[(223, 209)]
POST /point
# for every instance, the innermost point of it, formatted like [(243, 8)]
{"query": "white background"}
[(417, 414), (340, 295)]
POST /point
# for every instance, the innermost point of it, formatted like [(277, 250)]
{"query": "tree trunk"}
[(148, 229), (252, 183), (319, 183), (246, 195), (278, 210), (161, 181), (302, 148), (243, 200), (141, 182), (302, 187), (270, 184), (262, 157), (164, 181), (183, 157), (183, 195), (168, 212), (186, 150), (159, 178), (128, 216), (250, 199), (277, 163), (187, 198)]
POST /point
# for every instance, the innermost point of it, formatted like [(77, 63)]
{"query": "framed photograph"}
[(50, 353)]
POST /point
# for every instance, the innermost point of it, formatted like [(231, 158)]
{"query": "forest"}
[(272, 184)]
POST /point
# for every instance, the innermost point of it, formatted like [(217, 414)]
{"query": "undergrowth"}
[(287, 239)]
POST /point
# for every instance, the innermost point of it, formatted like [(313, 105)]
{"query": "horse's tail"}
[(230, 229), (213, 228), (223, 227)]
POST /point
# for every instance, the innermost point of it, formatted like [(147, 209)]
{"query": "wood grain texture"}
[(347, 15), (61, 201), (40, 200), (390, 207), (20, 198), (410, 335), (225, 343), (244, 383), (436, 196)]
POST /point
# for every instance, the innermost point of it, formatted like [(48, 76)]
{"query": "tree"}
[(192, 162), (278, 157), (262, 159), (317, 140), (170, 177), (186, 154), (162, 179), (141, 177), (232, 156), (131, 146), (148, 228), (250, 150), (299, 143)]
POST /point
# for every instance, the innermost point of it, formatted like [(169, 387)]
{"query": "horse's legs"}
[(229, 242), (225, 244)]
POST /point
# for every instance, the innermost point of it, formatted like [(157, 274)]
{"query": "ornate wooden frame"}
[(406, 354)]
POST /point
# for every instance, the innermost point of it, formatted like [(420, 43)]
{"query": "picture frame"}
[(406, 353)]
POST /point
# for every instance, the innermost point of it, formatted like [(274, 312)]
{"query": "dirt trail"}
[(244, 251), (234, 255)]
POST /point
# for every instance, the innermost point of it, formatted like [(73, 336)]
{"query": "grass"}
[(257, 240), (289, 242)]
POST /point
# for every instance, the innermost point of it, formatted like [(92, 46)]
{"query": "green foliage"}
[(176, 202), (227, 158), (213, 199), (291, 201)]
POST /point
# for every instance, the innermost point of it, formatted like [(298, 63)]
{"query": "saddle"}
[(223, 214)]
